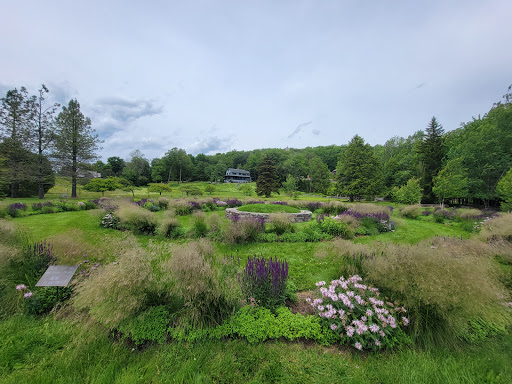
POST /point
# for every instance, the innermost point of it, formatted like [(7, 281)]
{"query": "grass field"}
[(69, 346)]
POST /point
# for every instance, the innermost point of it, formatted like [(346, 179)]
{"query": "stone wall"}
[(301, 217)]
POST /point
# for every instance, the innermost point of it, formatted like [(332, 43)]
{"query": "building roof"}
[(237, 170)]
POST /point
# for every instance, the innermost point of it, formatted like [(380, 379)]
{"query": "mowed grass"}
[(59, 351), (268, 208)]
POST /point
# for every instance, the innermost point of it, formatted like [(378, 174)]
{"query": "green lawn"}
[(268, 208)]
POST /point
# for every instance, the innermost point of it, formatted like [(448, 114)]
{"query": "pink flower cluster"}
[(356, 313), (23, 287)]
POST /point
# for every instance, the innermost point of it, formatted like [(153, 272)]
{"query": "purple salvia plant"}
[(265, 281)]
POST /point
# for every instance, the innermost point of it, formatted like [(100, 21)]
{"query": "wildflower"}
[(320, 283), (369, 312), (21, 287), (405, 320), (358, 346), (350, 331), (27, 295), (374, 328), (334, 327), (382, 334), (377, 343), (320, 307)]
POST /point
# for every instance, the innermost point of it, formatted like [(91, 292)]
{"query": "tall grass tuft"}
[(443, 283), (281, 223), (244, 230), (119, 290), (139, 220), (194, 273)]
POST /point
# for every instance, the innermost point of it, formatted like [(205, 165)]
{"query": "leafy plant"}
[(149, 326)]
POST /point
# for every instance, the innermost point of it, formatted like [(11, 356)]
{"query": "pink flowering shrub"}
[(358, 315)]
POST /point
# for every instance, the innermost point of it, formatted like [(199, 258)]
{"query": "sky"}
[(216, 76)]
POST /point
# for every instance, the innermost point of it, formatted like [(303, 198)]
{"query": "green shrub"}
[(266, 238), (149, 326), (334, 227)]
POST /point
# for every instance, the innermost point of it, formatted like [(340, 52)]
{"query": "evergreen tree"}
[(431, 151), (357, 171), (16, 114), (319, 175), (268, 180), (76, 142), (44, 119)]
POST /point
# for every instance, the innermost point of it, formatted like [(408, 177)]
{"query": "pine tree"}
[(431, 152), (75, 142), (268, 180), (16, 114), (357, 170)]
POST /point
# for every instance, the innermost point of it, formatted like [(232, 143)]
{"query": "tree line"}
[(465, 165)]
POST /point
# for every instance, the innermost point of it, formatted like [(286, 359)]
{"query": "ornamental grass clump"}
[(359, 316), (244, 230), (139, 220), (281, 223), (444, 283), (264, 281), (195, 279)]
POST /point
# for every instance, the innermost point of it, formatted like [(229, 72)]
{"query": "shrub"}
[(358, 316), (281, 223), (148, 326), (233, 203), (411, 211), (151, 206), (334, 227), (267, 238), (139, 220), (208, 205), (264, 281), (208, 300)]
